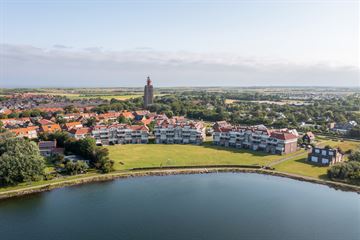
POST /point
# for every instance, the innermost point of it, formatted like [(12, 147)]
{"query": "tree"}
[(20, 161), (90, 122), (355, 156)]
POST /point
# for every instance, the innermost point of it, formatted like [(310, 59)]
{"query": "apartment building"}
[(325, 156), (179, 131), (257, 138), (120, 134)]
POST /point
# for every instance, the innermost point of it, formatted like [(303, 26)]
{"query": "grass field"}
[(344, 145), (299, 165), (156, 155)]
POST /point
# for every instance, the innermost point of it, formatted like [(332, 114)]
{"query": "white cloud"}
[(23, 65)]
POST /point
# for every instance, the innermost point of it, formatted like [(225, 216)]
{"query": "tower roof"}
[(148, 81)]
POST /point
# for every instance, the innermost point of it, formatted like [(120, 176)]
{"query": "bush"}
[(345, 170), (73, 168)]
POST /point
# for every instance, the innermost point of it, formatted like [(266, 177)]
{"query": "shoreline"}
[(166, 171)]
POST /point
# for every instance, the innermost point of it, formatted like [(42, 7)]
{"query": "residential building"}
[(308, 138), (15, 121), (325, 156), (257, 138), (120, 134), (47, 148), (80, 133), (50, 128), (179, 131), (127, 115), (148, 93), (70, 125), (28, 132)]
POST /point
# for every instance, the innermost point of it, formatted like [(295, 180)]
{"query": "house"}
[(325, 156), (28, 132), (257, 138), (308, 138), (344, 128), (16, 121), (47, 148), (45, 122), (127, 115), (80, 133), (70, 125), (139, 115), (50, 128), (112, 116), (178, 130), (120, 134)]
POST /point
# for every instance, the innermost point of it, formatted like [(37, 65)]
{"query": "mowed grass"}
[(300, 166), (157, 155)]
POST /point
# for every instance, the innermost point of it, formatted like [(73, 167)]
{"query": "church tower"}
[(148, 93)]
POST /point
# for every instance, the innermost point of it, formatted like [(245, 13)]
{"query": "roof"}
[(310, 135), (47, 144), (80, 131), (128, 115), (45, 122), (282, 135), (72, 124), (26, 130), (139, 128), (50, 127)]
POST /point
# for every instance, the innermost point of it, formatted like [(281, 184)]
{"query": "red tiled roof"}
[(70, 125), (45, 122), (283, 135), (50, 128), (26, 130), (80, 131), (128, 115), (139, 128)]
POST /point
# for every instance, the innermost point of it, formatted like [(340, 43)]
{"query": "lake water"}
[(211, 206)]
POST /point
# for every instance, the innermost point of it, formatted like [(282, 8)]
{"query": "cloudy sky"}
[(107, 43)]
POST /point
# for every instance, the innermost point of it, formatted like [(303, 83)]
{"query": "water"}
[(211, 206)]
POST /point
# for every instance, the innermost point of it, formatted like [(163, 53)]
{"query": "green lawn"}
[(299, 165), (156, 155), (344, 145)]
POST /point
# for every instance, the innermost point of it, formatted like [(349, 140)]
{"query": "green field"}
[(156, 155), (344, 145), (300, 166)]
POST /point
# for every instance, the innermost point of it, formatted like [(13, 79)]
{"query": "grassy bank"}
[(128, 157), (157, 155)]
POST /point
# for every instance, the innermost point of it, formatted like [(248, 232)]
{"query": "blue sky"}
[(179, 43)]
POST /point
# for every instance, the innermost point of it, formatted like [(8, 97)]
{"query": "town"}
[(60, 126)]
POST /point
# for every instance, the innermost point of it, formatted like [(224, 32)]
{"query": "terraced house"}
[(178, 130), (257, 138), (120, 134)]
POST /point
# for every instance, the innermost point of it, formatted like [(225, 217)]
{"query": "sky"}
[(108, 43)]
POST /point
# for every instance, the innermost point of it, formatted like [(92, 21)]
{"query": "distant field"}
[(156, 155), (345, 145)]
